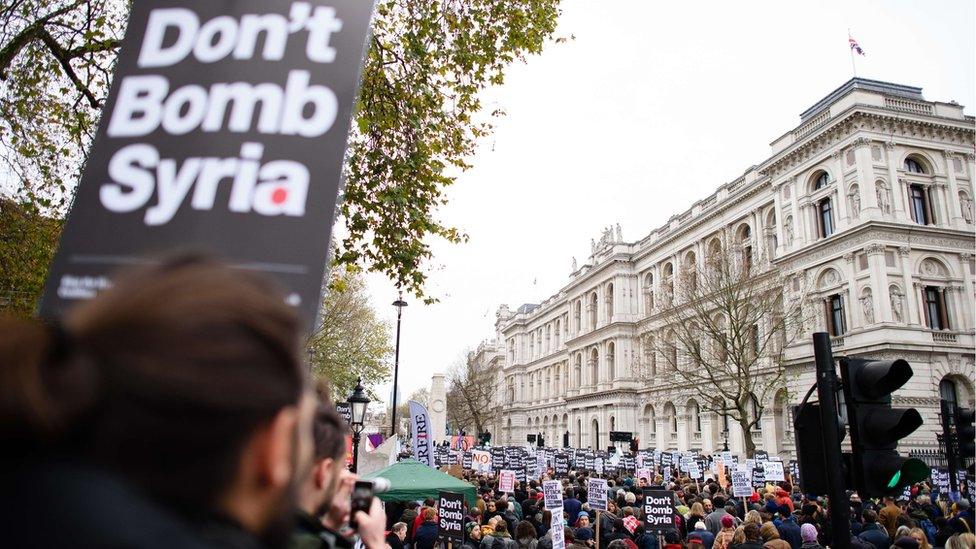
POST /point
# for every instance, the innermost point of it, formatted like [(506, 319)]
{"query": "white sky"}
[(652, 107)]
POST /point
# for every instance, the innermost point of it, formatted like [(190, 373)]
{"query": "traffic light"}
[(810, 449), (876, 467), (965, 432)]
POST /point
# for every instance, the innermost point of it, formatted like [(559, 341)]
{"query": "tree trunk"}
[(750, 446)]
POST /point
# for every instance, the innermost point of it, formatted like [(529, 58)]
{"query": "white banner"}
[(552, 491), (596, 493), (480, 461), (774, 471), (558, 532), (423, 441), (741, 484)]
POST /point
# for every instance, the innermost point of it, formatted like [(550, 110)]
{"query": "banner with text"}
[(423, 442), (224, 132)]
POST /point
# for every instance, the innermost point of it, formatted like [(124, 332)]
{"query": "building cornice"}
[(882, 232)]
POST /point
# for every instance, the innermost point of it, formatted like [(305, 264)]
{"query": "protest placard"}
[(561, 465), (643, 473), (741, 483), (774, 471), (659, 510), (506, 481), (481, 462), (694, 470), (219, 135), (558, 532), (450, 516), (596, 493), (552, 491)]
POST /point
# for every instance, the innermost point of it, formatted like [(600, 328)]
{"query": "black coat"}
[(62, 504)]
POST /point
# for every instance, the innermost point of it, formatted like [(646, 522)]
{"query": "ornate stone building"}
[(866, 208)]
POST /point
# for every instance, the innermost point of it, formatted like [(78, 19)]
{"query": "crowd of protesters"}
[(175, 411), (778, 516)]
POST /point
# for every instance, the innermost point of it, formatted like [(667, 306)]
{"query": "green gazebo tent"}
[(411, 480)]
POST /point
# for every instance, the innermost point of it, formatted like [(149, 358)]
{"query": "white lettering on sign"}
[(223, 36), (145, 104)]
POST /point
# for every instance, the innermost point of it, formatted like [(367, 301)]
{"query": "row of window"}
[(934, 308), (919, 202)]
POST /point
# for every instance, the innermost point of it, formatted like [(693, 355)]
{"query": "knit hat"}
[(584, 534), (469, 527), (582, 514), (906, 542), (699, 525), (727, 521), (809, 532)]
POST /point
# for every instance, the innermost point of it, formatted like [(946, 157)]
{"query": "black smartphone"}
[(362, 498)]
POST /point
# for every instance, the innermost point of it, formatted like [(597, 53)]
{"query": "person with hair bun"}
[(170, 411)]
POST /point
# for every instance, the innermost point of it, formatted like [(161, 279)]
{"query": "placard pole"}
[(598, 521)]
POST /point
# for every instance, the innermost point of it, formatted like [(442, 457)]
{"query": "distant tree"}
[(350, 341), (725, 325), (471, 396), (417, 121)]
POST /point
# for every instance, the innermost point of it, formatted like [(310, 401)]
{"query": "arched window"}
[(912, 165), (821, 181), (948, 393)]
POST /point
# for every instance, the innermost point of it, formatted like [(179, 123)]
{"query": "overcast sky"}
[(650, 108)]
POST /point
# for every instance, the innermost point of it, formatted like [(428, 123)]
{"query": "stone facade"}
[(867, 205)]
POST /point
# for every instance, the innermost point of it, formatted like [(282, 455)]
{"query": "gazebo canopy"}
[(411, 480)]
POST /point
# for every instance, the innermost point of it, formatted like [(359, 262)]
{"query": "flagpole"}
[(851, 48)]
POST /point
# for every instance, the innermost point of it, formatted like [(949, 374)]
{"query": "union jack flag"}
[(854, 45)]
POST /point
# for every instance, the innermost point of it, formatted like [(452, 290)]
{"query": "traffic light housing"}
[(810, 450), (965, 431), (876, 428)]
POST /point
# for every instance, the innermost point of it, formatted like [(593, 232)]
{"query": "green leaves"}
[(417, 120), (351, 340)]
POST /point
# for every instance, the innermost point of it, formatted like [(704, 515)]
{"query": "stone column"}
[(865, 177), (660, 429), (912, 316), (898, 191), (956, 220), (879, 273), (968, 301), (780, 222), (684, 435), (856, 316), (770, 438), (708, 435), (840, 193)]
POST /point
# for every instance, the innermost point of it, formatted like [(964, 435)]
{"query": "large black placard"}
[(450, 516), (659, 510), (224, 132)]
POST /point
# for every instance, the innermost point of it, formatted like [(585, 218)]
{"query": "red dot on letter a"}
[(279, 195)]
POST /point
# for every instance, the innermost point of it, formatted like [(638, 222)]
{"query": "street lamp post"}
[(358, 402), (399, 304)]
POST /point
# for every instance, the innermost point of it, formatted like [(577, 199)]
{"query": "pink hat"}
[(727, 521)]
